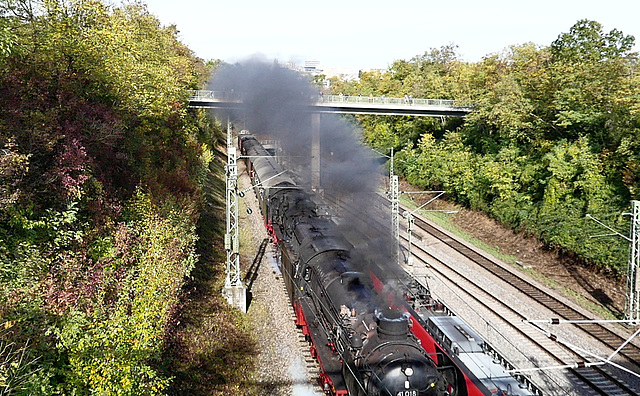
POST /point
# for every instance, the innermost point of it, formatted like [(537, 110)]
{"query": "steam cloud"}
[(275, 106)]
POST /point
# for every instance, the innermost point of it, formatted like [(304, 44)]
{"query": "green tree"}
[(553, 134), (99, 179), (586, 41)]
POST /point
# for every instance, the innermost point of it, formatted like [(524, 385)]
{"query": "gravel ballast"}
[(284, 365)]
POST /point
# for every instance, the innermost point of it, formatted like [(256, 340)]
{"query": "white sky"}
[(366, 34)]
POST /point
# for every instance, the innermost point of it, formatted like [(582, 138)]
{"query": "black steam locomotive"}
[(362, 342)]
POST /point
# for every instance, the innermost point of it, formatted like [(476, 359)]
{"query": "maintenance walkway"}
[(346, 104)]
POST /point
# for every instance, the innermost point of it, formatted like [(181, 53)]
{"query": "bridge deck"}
[(349, 105)]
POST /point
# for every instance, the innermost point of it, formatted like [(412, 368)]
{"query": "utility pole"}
[(234, 291), (410, 220), (633, 281), (394, 196), (632, 314), (315, 152)]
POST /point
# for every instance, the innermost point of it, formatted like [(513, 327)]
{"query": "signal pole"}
[(234, 291)]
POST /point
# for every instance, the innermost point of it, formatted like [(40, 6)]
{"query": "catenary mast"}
[(234, 291)]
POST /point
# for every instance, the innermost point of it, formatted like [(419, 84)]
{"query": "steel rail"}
[(597, 378), (609, 338)]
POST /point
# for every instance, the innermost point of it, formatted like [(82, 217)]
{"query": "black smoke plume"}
[(276, 104)]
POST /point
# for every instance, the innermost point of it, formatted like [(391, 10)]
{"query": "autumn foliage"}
[(101, 164), (554, 136)]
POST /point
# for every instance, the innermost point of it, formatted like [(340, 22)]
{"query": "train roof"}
[(458, 333), (468, 347), (270, 172)]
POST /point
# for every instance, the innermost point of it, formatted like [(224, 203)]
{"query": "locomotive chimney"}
[(392, 325)]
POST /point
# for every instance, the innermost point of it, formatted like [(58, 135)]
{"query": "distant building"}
[(312, 66), (292, 66), (343, 73)]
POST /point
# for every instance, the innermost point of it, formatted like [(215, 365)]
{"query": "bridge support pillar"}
[(315, 151)]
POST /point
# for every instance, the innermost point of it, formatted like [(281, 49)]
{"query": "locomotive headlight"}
[(408, 371)]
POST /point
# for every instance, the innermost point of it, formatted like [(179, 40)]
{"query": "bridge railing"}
[(214, 96), (408, 101), (226, 96)]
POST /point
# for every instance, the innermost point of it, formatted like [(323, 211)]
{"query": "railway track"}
[(599, 332), (593, 380), (596, 380)]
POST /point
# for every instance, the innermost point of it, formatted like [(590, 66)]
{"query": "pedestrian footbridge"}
[(346, 104)]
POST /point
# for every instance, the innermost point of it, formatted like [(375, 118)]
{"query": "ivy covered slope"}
[(101, 166), (555, 135)]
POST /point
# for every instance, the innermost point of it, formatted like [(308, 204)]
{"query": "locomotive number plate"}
[(410, 392)]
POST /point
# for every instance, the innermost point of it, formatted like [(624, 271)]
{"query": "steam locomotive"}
[(367, 340)]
